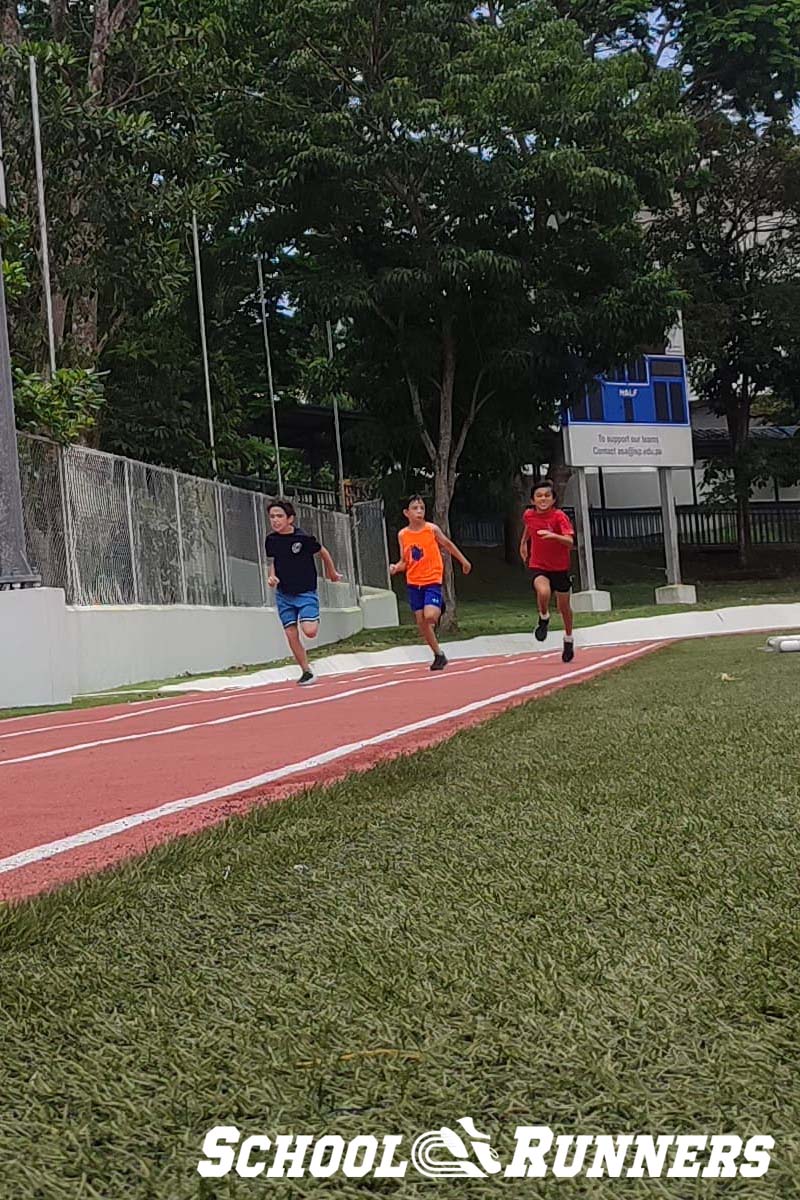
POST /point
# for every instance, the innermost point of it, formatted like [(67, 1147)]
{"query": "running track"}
[(83, 790)]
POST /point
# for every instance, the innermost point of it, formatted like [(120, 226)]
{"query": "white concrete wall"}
[(38, 666), (126, 644), (53, 651), (379, 608)]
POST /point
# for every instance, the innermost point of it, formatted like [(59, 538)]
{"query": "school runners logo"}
[(537, 1152), (459, 1165), (297, 547)]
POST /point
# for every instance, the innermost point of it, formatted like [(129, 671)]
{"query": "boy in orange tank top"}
[(421, 545)]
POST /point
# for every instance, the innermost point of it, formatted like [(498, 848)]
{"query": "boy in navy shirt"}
[(293, 572)]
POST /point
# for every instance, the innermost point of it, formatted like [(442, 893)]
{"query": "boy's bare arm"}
[(399, 567), (523, 547), (452, 548), (549, 536), (272, 578), (330, 570)]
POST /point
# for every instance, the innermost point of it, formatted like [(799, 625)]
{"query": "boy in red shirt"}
[(546, 548)]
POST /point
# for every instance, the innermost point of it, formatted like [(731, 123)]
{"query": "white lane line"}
[(26, 858), (234, 717), (155, 708)]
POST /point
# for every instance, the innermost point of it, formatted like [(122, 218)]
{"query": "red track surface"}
[(65, 775)]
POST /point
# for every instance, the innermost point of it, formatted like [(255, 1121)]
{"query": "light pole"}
[(336, 429), (201, 312), (268, 362), (15, 570)]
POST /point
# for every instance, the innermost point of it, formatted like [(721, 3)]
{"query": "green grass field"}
[(585, 913)]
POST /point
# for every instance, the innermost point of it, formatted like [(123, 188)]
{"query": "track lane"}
[(82, 788)]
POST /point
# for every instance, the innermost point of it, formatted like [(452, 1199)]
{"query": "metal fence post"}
[(66, 521), (129, 514), (356, 543), (222, 542), (261, 574), (386, 545), (181, 554)]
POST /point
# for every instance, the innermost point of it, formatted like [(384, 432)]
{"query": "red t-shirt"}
[(544, 553)]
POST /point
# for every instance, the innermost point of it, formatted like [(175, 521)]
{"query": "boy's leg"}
[(427, 606), (426, 620), (541, 586), (565, 612), (296, 646), (307, 607), (289, 615), (432, 612)]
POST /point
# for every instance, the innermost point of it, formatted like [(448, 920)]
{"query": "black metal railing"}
[(771, 523), (698, 525)]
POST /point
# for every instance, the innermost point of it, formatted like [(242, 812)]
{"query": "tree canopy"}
[(493, 201)]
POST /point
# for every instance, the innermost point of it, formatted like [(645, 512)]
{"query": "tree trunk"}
[(84, 329), (444, 479), (10, 28), (743, 540), (445, 452), (560, 472), (738, 419), (59, 319), (442, 499), (518, 501), (108, 22)]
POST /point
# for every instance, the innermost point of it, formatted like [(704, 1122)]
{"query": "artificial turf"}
[(584, 914)]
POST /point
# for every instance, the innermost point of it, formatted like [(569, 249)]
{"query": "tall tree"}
[(128, 95), (453, 181), (734, 234)]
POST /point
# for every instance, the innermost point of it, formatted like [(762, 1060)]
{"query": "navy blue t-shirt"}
[(293, 554)]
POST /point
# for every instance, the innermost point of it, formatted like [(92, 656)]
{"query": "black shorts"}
[(560, 581)]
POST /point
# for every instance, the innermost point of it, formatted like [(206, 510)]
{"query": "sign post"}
[(638, 418), (589, 598), (675, 592)]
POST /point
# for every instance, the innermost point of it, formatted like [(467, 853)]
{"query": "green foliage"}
[(466, 193), (746, 55), (733, 235), (15, 280), (757, 464), (64, 408), (14, 239), (461, 183), (129, 152)]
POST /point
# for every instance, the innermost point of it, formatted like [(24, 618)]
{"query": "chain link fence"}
[(109, 530), (372, 550)]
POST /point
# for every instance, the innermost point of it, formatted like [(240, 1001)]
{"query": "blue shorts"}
[(292, 609), (429, 596)]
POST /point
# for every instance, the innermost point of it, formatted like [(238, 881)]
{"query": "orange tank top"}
[(422, 556)]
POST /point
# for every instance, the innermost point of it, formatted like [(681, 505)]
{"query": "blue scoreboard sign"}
[(639, 416)]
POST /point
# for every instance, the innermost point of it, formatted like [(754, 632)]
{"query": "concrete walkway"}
[(695, 623)]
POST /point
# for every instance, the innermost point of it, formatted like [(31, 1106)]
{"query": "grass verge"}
[(583, 914)]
